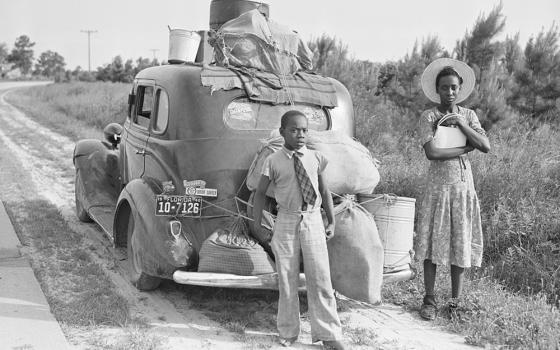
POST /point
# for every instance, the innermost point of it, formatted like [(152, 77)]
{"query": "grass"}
[(77, 289), (518, 184), (492, 315), (134, 338), (361, 336), (237, 310), (77, 110), (241, 311), (510, 303)]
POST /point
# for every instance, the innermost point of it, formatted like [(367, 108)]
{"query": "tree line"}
[(51, 65), (509, 78)]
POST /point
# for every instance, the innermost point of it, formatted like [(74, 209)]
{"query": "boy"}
[(301, 188)]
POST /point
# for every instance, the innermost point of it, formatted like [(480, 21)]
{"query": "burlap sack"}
[(356, 254), (254, 174)]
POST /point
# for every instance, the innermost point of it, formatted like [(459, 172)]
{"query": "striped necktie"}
[(307, 190)]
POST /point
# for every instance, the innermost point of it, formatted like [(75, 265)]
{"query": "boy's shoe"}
[(287, 341), (334, 344)]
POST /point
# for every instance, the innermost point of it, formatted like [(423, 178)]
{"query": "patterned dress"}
[(449, 229)]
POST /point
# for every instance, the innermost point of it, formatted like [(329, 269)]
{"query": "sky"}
[(373, 30)]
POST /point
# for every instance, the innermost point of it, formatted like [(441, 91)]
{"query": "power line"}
[(89, 32)]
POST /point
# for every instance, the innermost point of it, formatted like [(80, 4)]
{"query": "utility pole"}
[(154, 52), (89, 32)]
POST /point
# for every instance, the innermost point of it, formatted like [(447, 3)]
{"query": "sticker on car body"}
[(198, 188)]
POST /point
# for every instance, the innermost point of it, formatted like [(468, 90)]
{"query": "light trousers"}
[(296, 232)]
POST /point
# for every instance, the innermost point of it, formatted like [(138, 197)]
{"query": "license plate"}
[(178, 205)]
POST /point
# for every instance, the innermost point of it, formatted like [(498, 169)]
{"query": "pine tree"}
[(513, 57), (50, 64), (22, 54), (3, 53), (479, 48), (322, 49), (539, 80), (405, 90)]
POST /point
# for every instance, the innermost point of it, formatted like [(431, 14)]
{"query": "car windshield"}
[(243, 114)]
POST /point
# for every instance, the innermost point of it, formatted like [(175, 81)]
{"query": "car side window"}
[(162, 114), (145, 102)]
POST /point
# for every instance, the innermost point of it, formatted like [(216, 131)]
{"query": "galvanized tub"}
[(394, 217), (183, 45)]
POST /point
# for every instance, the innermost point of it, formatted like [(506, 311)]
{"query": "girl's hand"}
[(468, 148), (455, 119)]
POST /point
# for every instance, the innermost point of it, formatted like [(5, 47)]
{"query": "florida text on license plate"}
[(178, 205)]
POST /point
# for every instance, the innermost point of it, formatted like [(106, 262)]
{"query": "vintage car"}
[(175, 171), (180, 137)]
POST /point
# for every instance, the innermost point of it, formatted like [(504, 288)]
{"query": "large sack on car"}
[(233, 251), (254, 174), (351, 169), (356, 253)]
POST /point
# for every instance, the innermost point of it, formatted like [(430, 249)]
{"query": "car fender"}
[(160, 252), (85, 148), (97, 163)]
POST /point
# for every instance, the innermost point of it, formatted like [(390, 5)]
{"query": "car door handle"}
[(141, 151)]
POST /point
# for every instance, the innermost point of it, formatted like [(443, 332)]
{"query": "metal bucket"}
[(183, 45), (222, 11), (394, 217)]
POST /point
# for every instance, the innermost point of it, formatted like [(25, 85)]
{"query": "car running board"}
[(103, 215)]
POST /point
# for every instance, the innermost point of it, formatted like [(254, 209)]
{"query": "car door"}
[(138, 130), (159, 162)]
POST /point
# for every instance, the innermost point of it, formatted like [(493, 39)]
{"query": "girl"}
[(449, 229)]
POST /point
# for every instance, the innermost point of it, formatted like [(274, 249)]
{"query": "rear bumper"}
[(226, 280), (266, 281), (397, 276)]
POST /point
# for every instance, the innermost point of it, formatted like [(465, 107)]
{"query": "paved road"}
[(26, 321)]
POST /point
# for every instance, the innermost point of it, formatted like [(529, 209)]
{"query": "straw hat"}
[(428, 79)]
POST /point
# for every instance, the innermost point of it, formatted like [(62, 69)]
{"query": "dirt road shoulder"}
[(37, 172), (26, 320)]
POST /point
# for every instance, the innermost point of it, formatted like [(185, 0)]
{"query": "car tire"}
[(138, 278), (81, 213)]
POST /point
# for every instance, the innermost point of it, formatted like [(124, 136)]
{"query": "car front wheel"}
[(139, 279)]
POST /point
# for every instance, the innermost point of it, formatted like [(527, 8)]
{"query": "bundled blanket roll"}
[(233, 251), (351, 169), (252, 41)]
